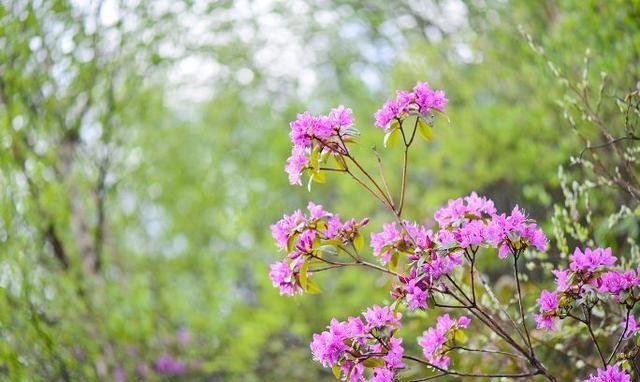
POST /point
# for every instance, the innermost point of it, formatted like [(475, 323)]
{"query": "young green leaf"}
[(358, 242), (336, 371), (373, 362), (303, 276), (391, 137), (312, 287), (424, 130), (393, 264)]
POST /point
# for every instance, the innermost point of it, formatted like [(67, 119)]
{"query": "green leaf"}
[(319, 177), (340, 163), (336, 371), (314, 158), (424, 130), (391, 137), (442, 113), (303, 275), (393, 264), (327, 249), (459, 336), (358, 242), (291, 242), (373, 362), (312, 287)]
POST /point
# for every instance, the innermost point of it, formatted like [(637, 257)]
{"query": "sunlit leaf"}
[(391, 137), (393, 263), (459, 336), (358, 242), (336, 371), (303, 275), (312, 287), (424, 130), (373, 362)]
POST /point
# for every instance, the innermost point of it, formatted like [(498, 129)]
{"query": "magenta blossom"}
[(296, 164), (616, 282), (457, 210), (591, 259), (422, 100), (548, 302), (313, 136), (385, 242), (515, 232), (435, 340), (378, 316), (167, 365), (304, 237), (610, 374), (283, 276), (348, 344)]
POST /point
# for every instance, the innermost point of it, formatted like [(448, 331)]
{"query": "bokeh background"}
[(143, 145)]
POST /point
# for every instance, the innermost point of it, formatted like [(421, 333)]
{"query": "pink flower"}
[(562, 280), (514, 233), (421, 100), (316, 211), (383, 242), (354, 370), (410, 238), (282, 277), (548, 302), (308, 127), (382, 375), (428, 99), (167, 365), (416, 296), (464, 208), (378, 316), (310, 133), (610, 374), (327, 348), (296, 163), (591, 259), (283, 228), (347, 344), (615, 282), (305, 241), (434, 340), (340, 117)]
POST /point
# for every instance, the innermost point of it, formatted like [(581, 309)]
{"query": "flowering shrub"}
[(348, 347), (435, 267)]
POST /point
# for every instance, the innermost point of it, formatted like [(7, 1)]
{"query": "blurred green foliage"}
[(143, 146)]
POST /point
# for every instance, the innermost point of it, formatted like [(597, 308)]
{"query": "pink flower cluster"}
[(473, 221), (610, 374), (436, 341), (548, 302), (410, 238), (464, 224), (590, 272), (300, 236), (354, 345), (311, 133), (427, 266), (420, 101)]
